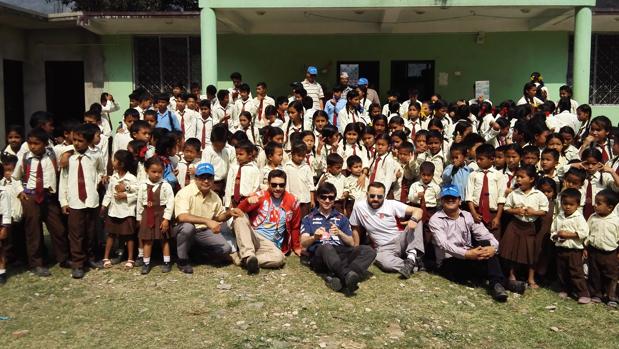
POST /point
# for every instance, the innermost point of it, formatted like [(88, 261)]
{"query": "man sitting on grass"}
[(465, 249), (328, 239)]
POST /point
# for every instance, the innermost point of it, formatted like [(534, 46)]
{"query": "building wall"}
[(118, 64), (12, 47)]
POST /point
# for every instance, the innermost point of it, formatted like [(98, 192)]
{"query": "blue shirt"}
[(459, 179), (163, 121), (329, 107), (316, 220), (274, 225)]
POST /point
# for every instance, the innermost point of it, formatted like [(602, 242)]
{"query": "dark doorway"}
[(13, 92), (64, 90), (418, 75), (360, 69)]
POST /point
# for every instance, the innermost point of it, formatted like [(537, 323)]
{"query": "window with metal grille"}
[(604, 84), (160, 62)]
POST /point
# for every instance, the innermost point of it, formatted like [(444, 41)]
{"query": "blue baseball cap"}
[(362, 82), (312, 70), (450, 190), (205, 168)]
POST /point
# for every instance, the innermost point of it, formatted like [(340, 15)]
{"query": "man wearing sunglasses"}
[(398, 249), (271, 228), (327, 237), (467, 250)]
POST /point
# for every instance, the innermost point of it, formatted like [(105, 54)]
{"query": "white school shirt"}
[(186, 118), (381, 224), (599, 181), (231, 90), (347, 116), (240, 106), (353, 149), (574, 223), (355, 191), (250, 180), (262, 121), (571, 153), (140, 111), (300, 181), (121, 140), (438, 160), (219, 160), (536, 101), (338, 181), (431, 195), (219, 113), (534, 199), (385, 172), (403, 108), (265, 170), (93, 168), (166, 198), (13, 187), (183, 166), (10, 151), (49, 172), (365, 107), (315, 163), (603, 232), (496, 183), (206, 125), (6, 199), (314, 90), (565, 118), (172, 104), (125, 207), (485, 124), (290, 129)]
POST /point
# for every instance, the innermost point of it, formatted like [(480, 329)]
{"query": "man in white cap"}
[(370, 93), (344, 79), (313, 88)]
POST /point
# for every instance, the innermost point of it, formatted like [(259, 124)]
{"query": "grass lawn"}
[(222, 307)]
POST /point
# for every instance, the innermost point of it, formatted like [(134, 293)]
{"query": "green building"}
[(62, 61)]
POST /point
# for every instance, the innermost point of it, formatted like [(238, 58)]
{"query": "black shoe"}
[(334, 283), (139, 262), (95, 265), (65, 265), (498, 292), (408, 269), (2, 279), (421, 266), (185, 267), (352, 283), (41, 271), (252, 265), (166, 267), (77, 273), (145, 269), (119, 257), (516, 286)]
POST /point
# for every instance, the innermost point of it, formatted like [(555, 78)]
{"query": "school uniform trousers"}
[(341, 259), (570, 270), (390, 256), (82, 235), (187, 234), (251, 244), (49, 213), (603, 272)]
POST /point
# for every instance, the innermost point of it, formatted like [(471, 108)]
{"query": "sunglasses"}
[(278, 185), (376, 196), (327, 197)]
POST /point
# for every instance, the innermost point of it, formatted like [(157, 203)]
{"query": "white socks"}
[(140, 252), (146, 260), (166, 259), (2, 271)]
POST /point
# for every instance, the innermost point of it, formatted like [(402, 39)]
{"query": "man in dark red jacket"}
[(271, 228)]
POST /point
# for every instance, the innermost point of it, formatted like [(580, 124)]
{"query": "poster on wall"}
[(353, 72), (482, 89)]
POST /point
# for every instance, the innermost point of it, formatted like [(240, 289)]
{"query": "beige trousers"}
[(251, 244)]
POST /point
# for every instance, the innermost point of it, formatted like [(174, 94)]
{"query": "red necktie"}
[(353, 116), (376, 162), (354, 149), (81, 183), (243, 107), (187, 177), (509, 180), (413, 132), (260, 109), (334, 116), (588, 209), (38, 189), (182, 122), (150, 213), (203, 133), (237, 186), (484, 200), (604, 154)]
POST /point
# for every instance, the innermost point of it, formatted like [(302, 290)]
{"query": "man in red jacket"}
[(271, 228)]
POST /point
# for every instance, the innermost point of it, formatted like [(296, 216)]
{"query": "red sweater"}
[(290, 205)]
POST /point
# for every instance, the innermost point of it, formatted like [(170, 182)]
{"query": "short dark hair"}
[(244, 88), (219, 133), (193, 143), (88, 131), (353, 160), (19, 129), (131, 112), (530, 149), (553, 152), (277, 173), (459, 147), (236, 76), (571, 193), (38, 118), (246, 145), (608, 195), (577, 172), (39, 134), (163, 97), (334, 159), (151, 112), (486, 150), (378, 185), (299, 149), (138, 125), (407, 146), (426, 166), (221, 94), (269, 149), (205, 103), (326, 188), (8, 159)]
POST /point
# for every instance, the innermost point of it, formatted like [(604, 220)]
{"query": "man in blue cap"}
[(370, 93), (313, 88), (199, 217), (467, 250)]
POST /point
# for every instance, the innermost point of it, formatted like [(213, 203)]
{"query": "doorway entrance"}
[(64, 89), (13, 92), (360, 69), (409, 75)]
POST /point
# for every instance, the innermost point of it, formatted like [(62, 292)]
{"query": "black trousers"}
[(461, 270), (342, 259)]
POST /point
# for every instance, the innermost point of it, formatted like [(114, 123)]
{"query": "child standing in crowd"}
[(300, 181), (334, 176), (155, 203), (383, 166), (352, 186), (186, 167), (5, 221), (244, 176), (275, 155), (14, 139)]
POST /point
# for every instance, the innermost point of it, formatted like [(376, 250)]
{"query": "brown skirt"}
[(120, 226), (153, 233), (518, 242)]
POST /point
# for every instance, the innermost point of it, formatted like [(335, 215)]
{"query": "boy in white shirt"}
[(243, 103), (224, 110), (185, 116), (261, 101), (186, 167), (334, 176), (204, 124), (217, 155), (300, 178), (243, 177), (123, 136)]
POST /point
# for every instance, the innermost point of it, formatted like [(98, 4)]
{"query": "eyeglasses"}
[(327, 197), (376, 196), (278, 185)]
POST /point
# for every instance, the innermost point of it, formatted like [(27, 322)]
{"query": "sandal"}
[(130, 264), (107, 263)]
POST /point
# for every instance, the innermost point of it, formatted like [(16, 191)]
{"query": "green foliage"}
[(132, 5)]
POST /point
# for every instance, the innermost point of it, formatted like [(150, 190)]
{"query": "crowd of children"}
[(543, 177)]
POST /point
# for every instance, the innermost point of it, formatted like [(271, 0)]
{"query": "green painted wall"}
[(506, 59), (118, 62)]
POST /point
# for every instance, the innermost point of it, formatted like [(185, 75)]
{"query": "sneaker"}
[(139, 262), (334, 283), (498, 293), (166, 267), (352, 283), (2, 279), (516, 286), (185, 267), (77, 273), (584, 300), (41, 271), (251, 263), (145, 269), (408, 269), (596, 300)]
